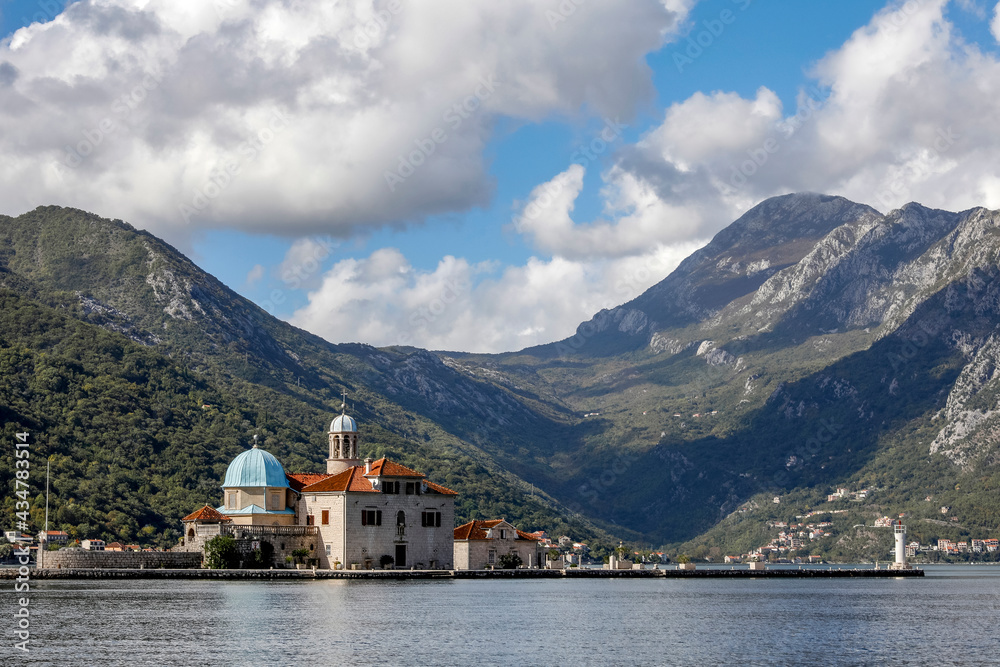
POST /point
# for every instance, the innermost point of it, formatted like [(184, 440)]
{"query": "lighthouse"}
[(900, 534)]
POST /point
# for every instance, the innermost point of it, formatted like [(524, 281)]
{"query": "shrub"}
[(509, 562), (221, 553)]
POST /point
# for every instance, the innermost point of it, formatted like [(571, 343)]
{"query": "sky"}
[(483, 176)]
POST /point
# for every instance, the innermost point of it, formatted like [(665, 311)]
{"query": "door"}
[(400, 555)]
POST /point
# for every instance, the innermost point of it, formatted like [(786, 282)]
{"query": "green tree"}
[(509, 561), (221, 553)]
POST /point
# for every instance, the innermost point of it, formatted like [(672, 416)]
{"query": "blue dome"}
[(343, 423), (255, 467)]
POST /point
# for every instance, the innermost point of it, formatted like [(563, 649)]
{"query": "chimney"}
[(368, 466)]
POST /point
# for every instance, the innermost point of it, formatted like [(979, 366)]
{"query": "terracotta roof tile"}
[(476, 530), (443, 490), (354, 479), (351, 479), (299, 481), (386, 468), (359, 482), (206, 513)]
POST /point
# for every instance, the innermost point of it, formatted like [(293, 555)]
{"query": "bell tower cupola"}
[(343, 442)]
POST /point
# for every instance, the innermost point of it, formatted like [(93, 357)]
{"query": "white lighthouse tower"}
[(900, 563)]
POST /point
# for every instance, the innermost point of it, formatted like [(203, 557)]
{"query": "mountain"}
[(814, 344), (143, 376)]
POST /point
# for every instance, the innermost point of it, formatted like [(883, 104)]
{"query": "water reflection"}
[(949, 614)]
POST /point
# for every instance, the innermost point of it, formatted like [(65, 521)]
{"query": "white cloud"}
[(285, 117), (255, 275), (303, 263), (904, 110), (383, 300), (995, 23), (638, 219)]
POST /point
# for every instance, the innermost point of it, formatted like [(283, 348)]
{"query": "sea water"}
[(948, 617)]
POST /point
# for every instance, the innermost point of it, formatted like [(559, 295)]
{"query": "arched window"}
[(191, 531), (400, 518)]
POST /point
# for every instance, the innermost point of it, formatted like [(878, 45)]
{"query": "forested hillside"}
[(142, 389)]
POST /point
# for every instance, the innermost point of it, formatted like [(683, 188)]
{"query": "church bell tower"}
[(343, 443)]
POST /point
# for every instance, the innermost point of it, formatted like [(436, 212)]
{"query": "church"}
[(358, 514)]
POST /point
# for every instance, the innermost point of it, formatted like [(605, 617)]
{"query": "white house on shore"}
[(481, 544)]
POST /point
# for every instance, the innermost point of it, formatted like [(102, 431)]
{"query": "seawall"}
[(194, 573), (66, 559)]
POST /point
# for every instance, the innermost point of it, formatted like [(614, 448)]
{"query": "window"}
[(430, 519), (503, 533), (371, 517), (275, 501), (231, 499), (328, 551), (390, 487), (326, 518), (491, 557), (310, 520), (413, 488)]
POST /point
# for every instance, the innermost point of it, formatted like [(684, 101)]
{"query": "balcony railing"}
[(253, 531)]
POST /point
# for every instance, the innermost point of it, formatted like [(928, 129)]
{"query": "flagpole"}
[(47, 462)]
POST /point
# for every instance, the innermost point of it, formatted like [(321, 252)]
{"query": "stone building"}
[(202, 525), (480, 544), (360, 514)]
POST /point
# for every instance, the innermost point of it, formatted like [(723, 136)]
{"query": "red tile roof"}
[(351, 479), (354, 479), (386, 468), (299, 481), (358, 481), (476, 530), (206, 513), (443, 490)]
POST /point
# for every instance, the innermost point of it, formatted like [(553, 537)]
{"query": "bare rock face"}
[(814, 271)]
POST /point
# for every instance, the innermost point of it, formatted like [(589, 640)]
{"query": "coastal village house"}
[(359, 514), (480, 544)]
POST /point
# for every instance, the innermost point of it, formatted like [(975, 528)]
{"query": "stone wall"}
[(475, 554), (283, 545), (284, 539), (72, 559)]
